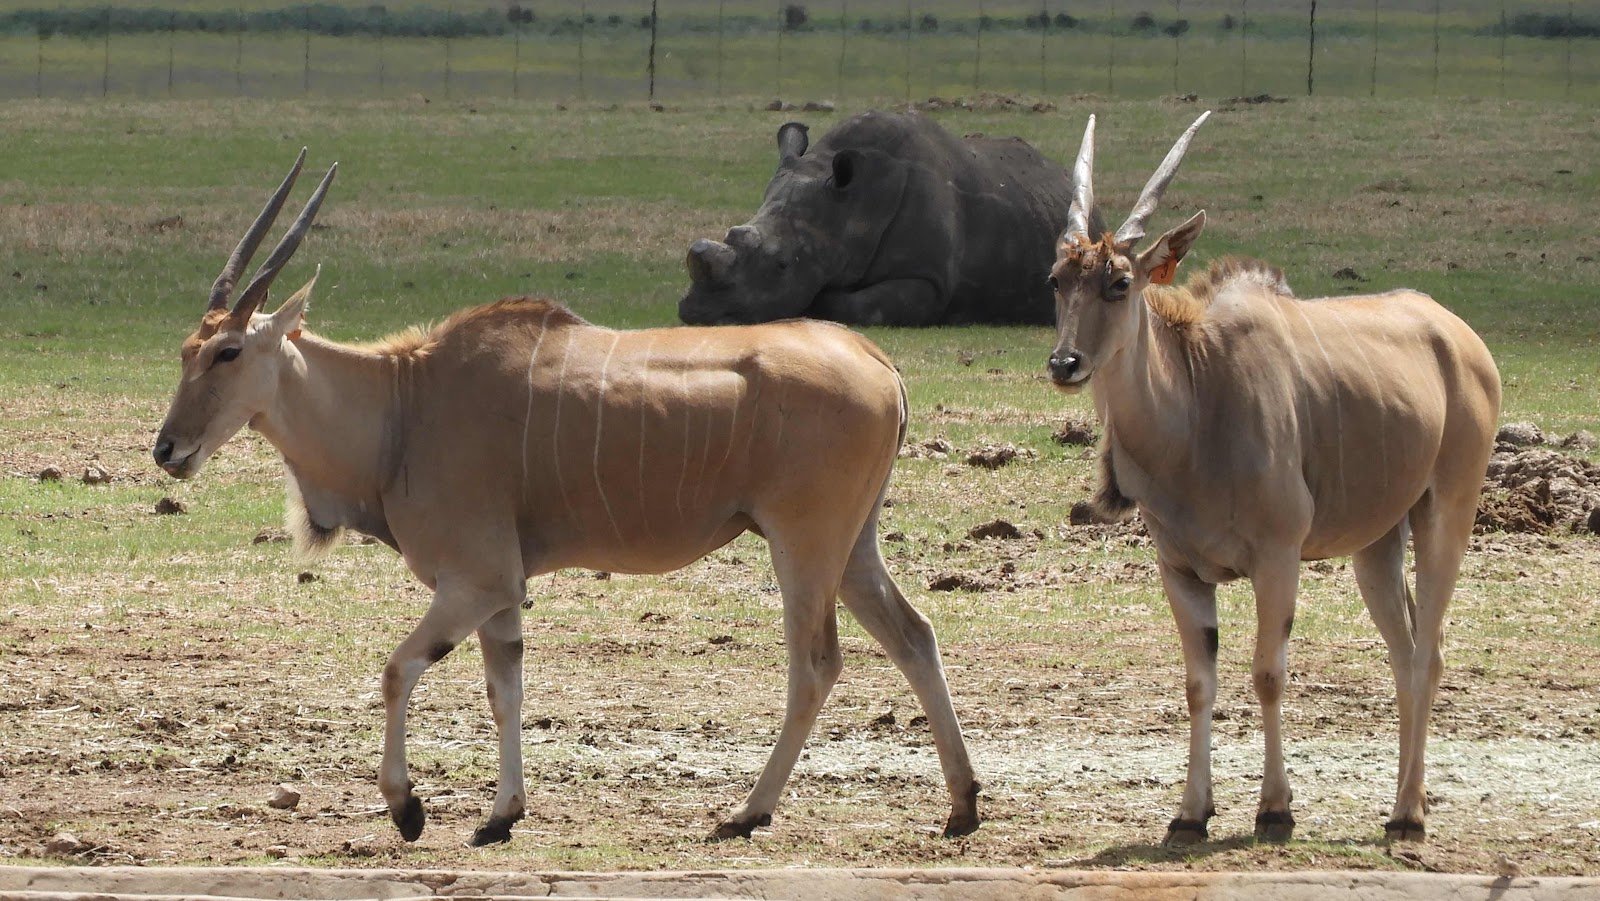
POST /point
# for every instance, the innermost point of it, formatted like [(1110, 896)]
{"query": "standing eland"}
[(1255, 430), (515, 439)]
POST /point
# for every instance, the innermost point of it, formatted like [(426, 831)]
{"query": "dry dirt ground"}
[(158, 735)]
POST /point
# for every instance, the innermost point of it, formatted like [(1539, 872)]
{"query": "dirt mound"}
[(1540, 491)]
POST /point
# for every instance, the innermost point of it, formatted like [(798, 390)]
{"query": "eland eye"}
[(1122, 284), (227, 355)]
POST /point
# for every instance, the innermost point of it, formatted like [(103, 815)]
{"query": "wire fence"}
[(837, 50)]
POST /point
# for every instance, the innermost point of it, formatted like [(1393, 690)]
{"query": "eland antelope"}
[(1254, 430), (515, 438)]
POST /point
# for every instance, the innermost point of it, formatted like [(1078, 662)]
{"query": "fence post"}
[(1502, 49), (1373, 91), (1111, 54), (844, 37), (1244, 46), (305, 85), (1435, 48), (1044, 32), (977, 60), (719, 49), (908, 51), (583, 25), (652, 50), (238, 55), (38, 70), (1311, 50), (783, 26), (172, 36), (1571, 27), (105, 68), (1177, 38)]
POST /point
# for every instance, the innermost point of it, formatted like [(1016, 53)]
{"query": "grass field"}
[(159, 673), (1404, 52)]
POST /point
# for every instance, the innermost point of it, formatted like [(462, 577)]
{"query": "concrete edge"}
[(966, 884)]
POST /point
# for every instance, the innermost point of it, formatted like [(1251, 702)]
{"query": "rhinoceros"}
[(889, 220)]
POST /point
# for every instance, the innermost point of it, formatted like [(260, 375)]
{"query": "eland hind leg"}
[(808, 564), (501, 640), (872, 596), (1441, 527)]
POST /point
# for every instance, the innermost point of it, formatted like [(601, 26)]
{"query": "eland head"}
[(230, 364), (1098, 280)]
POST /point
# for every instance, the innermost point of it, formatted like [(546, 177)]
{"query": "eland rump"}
[(516, 439), (1254, 430)]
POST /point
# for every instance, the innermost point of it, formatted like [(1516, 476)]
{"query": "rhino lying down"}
[(889, 220)]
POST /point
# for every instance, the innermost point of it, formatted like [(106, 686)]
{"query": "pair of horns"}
[(256, 291), (1082, 209)]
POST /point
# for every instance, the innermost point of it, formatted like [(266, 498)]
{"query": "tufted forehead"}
[(1077, 252), (210, 324)]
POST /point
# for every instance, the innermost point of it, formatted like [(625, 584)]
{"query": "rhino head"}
[(819, 227)]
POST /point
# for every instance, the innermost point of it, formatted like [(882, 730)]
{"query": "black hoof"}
[(1181, 833), (1275, 826), (1404, 831), (738, 828), (957, 826), (495, 831), (411, 819)]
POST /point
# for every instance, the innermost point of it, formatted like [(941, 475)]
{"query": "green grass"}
[(1102, 55)]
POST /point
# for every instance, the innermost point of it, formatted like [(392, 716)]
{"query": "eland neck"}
[(332, 419), (1144, 396)]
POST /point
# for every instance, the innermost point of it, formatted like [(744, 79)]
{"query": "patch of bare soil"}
[(1535, 489)]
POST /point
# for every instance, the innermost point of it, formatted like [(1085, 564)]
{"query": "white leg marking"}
[(555, 434), (527, 417), (688, 416), (599, 421), (644, 410)]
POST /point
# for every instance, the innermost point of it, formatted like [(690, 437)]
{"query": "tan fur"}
[(1185, 305)]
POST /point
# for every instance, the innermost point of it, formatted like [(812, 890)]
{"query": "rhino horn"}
[(709, 261)]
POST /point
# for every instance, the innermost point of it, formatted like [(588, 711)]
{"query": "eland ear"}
[(291, 316), (1159, 262)]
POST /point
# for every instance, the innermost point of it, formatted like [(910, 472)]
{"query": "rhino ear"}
[(846, 167), (793, 139)]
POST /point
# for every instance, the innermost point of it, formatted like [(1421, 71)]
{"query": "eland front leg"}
[(459, 608), (1194, 609)]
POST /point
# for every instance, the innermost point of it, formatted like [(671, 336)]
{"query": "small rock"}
[(276, 852), (819, 106), (272, 535), (1594, 521), (168, 506), (1075, 433), (994, 456), (50, 474), (1519, 434), (1582, 439), (65, 844), (95, 475), (998, 528), (602, 576), (307, 577), (1349, 274), (884, 719), (284, 797)]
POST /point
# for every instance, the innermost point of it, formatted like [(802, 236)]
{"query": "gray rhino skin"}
[(889, 220)]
